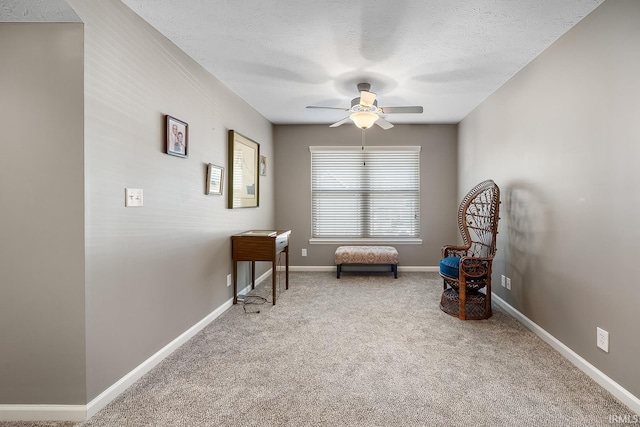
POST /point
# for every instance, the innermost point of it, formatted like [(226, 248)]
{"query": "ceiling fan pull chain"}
[(364, 160)]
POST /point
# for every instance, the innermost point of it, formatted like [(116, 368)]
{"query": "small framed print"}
[(263, 166), (215, 178), (177, 137)]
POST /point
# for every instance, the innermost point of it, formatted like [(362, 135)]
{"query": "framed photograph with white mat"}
[(215, 179), (244, 158), (177, 137)]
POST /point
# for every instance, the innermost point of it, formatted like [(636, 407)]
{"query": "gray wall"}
[(153, 272), (438, 185), (91, 289), (562, 138), (41, 214)]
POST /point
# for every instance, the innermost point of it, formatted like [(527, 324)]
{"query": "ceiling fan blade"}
[(341, 122), (401, 110), (367, 98), (383, 123), (328, 108)]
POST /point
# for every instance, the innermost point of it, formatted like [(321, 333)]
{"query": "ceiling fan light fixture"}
[(365, 111), (364, 119)]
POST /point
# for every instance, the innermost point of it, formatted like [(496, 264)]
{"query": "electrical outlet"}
[(602, 339), (502, 281), (229, 281), (509, 283), (304, 252)]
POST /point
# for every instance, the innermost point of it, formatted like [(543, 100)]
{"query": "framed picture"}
[(215, 178), (177, 137), (244, 155), (263, 166)]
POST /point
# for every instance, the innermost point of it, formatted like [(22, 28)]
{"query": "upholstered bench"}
[(367, 255)]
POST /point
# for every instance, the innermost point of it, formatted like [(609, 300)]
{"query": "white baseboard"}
[(418, 269), (84, 412), (259, 280), (104, 398), (43, 413), (309, 268), (125, 382), (333, 268), (598, 376)]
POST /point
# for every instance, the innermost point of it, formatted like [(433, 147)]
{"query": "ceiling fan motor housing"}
[(364, 87)]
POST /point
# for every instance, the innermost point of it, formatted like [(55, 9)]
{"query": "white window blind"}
[(371, 193)]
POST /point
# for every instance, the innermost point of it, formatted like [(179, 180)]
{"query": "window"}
[(372, 193)]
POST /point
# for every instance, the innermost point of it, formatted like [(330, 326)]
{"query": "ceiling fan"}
[(365, 111)]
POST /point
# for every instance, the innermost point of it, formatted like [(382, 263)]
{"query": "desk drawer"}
[(282, 241)]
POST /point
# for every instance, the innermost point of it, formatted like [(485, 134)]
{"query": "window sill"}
[(361, 241)]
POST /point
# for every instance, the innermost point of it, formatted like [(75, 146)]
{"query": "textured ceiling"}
[(282, 55), (36, 11)]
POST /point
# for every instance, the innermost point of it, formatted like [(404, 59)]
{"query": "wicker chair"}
[(466, 269)]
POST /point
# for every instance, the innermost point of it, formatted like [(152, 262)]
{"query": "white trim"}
[(309, 268), (259, 280), (407, 268), (104, 398), (418, 269), (340, 148), (579, 362), (43, 412), (84, 412), (364, 241), (125, 382)]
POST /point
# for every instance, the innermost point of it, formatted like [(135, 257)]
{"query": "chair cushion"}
[(450, 267)]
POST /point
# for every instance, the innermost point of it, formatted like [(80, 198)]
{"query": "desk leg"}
[(253, 274), (235, 282), (273, 278), (286, 257)]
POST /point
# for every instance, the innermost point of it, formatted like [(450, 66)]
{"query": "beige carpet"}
[(362, 350)]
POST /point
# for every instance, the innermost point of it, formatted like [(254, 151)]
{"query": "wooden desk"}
[(259, 245)]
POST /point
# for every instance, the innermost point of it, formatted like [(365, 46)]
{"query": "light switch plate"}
[(133, 197)]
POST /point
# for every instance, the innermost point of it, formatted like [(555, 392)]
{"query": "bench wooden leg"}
[(394, 268), (338, 270)]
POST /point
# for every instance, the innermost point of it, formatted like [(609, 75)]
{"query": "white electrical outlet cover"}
[(602, 339)]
